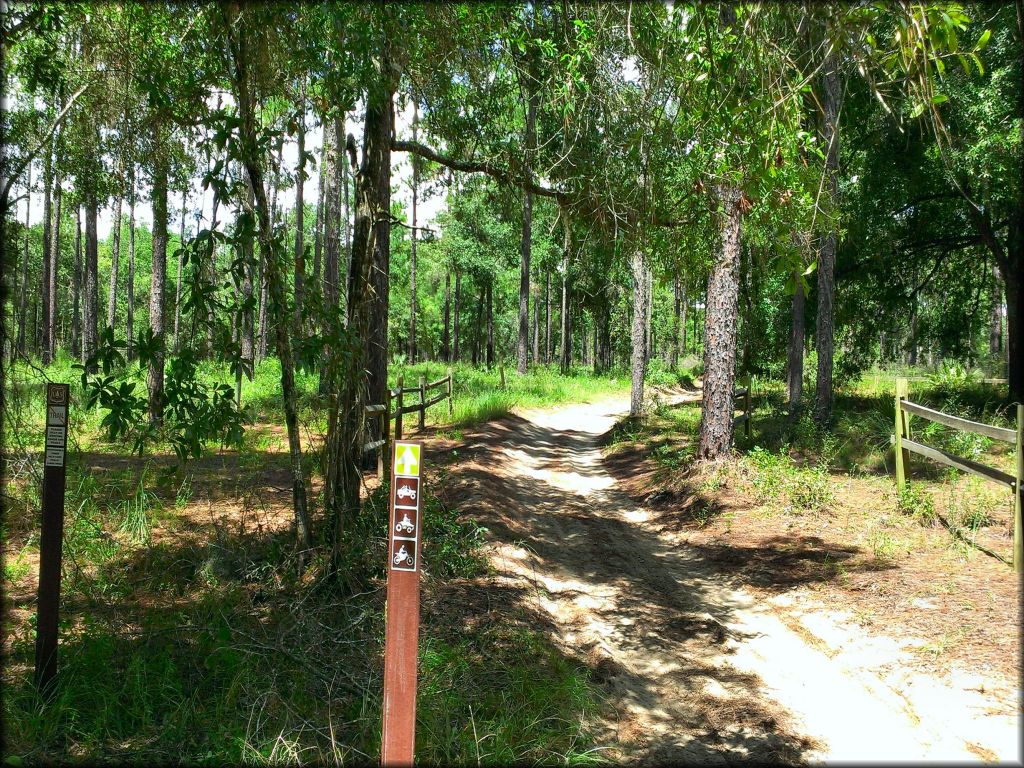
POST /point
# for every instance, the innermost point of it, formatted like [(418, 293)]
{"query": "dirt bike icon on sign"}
[(404, 525), (402, 556)]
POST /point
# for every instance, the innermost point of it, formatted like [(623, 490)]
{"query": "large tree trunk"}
[(1013, 280), (380, 126), (638, 331), (825, 331), (76, 290), (115, 258), (157, 324), (342, 185), (300, 214), (720, 332), (273, 275), (795, 360), (92, 283), (455, 317), (412, 255), (330, 168), (130, 320)]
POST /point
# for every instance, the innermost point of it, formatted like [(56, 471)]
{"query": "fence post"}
[(902, 455), (398, 410), (423, 401), (450, 381), (746, 410), (1018, 555), (385, 434)]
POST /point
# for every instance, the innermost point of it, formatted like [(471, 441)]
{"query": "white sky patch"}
[(201, 201)]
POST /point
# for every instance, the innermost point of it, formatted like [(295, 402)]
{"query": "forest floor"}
[(731, 634)]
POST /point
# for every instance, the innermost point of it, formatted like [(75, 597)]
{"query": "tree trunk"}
[(177, 286), (261, 349), (995, 333), (52, 272), (92, 285), (23, 295), (566, 362), (525, 245), (490, 323), (300, 216), (115, 258), (76, 288), (455, 317), (42, 328), (638, 332), (380, 127), (547, 317), (155, 378), (246, 333), (825, 332), (795, 361), (331, 289), (342, 183), (677, 331), (130, 320), (720, 332), (318, 226), (412, 256), (446, 339), (275, 282), (536, 327)]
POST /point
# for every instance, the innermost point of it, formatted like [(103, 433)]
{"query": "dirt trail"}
[(698, 670)]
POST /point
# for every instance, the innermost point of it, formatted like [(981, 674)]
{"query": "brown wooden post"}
[(501, 373), (423, 402), (402, 612), (450, 382), (902, 455), (51, 535), (398, 410), (1018, 556)]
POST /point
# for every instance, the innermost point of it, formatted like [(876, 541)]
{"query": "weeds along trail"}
[(696, 669)]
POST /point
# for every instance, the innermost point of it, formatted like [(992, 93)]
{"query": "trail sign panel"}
[(407, 459), (402, 621), (51, 535)]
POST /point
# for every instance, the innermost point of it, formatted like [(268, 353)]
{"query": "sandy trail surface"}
[(697, 669)]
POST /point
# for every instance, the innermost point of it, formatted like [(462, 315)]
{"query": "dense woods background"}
[(615, 186)]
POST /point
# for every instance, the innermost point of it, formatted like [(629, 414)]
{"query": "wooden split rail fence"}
[(905, 446), (395, 408)]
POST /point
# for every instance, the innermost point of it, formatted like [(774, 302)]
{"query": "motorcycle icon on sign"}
[(405, 492), (404, 525), (402, 556)]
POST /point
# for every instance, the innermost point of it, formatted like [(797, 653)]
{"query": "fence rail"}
[(395, 408), (904, 446)]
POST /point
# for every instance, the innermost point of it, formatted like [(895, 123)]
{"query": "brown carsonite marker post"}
[(51, 535), (402, 619)]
